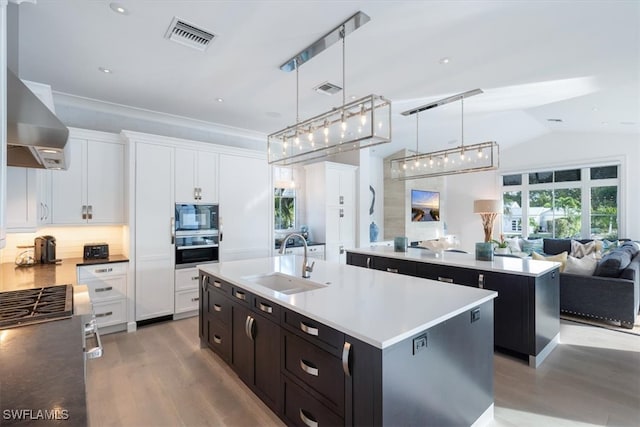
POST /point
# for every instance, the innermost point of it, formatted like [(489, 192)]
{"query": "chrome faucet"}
[(306, 269)]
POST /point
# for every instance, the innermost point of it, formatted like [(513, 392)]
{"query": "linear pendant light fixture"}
[(463, 159), (358, 124)]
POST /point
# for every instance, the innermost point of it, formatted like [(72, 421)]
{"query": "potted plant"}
[(502, 246)]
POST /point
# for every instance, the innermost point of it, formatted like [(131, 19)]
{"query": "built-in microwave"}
[(196, 217)]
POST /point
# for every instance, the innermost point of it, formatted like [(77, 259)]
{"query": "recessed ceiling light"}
[(445, 60), (105, 70), (119, 8), (219, 100)]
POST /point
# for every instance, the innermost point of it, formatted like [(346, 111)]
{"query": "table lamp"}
[(488, 210)]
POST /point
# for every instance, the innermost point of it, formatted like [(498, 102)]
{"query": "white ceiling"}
[(575, 60)]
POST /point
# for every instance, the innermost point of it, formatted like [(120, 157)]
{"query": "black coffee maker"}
[(45, 250)]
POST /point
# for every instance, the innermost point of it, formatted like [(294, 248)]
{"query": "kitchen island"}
[(527, 309), (355, 347)]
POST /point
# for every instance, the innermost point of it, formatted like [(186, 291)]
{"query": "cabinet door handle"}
[(217, 339), (481, 281), (46, 215), (445, 279), (103, 270), (266, 308), (248, 327), (108, 313), (172, 230), (217, 308), (346, 355), (368, 262), (195, 299), (392, 270), (308, 329), (90, 211), (341, 200), (217, 284), (307, 419), (341, 213), (306, 366), (241, 295), (107, 289), (41, 211), (84, 211), (341, 250), (202, 283)]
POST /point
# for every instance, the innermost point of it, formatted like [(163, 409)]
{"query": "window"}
[(566, 203), (284, 203)]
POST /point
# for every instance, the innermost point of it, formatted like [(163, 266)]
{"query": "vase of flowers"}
[(502, 246)]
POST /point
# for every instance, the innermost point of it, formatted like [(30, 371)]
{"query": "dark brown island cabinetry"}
[(311, 374), (527, 308)]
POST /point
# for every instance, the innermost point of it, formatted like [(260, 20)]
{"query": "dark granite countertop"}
[(42, 373), (13, 277)]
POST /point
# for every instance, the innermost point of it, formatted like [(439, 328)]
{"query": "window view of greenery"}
[(284, 208), (604, 212), (549, 204)]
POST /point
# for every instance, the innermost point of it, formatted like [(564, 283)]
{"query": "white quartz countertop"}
[(376, 307), (519, 266)]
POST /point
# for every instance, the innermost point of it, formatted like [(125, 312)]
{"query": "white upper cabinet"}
[(196, 176), (21, 199), (91, 191)]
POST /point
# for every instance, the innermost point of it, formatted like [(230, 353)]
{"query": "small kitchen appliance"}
[(45, 250), (96, 251)]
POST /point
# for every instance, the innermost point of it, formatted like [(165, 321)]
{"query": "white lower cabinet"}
[(107, 285), (186, 298)]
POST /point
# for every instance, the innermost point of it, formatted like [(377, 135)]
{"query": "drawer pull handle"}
[(346, 354), (194, 278), (266, 308), (368, 262), (445, 279), (305, 366), (217, 339), (308, 329), (308, 420), (108, 313), (107, 289), (103, 270), (241, 295), (195, 299), (217, 308), (217, 284), (481, 281), (392, 270)]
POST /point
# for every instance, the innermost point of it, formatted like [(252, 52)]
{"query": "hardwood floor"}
[(159, 376)]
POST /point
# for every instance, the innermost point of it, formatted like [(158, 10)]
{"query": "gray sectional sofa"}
[(611, 293)]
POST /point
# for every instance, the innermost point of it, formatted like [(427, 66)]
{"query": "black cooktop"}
[(35, 305)]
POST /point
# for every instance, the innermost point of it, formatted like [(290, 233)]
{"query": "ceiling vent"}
[(188, 34), (327, 88)]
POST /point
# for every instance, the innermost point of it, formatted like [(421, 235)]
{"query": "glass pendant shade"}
[(362, 123), (468, 158)]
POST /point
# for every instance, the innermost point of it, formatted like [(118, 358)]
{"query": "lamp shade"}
[(487, 206)]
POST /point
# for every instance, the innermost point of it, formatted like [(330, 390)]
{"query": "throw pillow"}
[(579, 250), (561, 258), (608, 245), (613, 263), (632, 247), (514, 244), (534, 245), (585, 266)]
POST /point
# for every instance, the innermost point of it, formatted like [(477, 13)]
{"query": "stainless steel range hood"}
[(36, 138)]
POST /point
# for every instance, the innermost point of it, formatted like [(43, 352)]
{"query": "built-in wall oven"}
[(196, 234)]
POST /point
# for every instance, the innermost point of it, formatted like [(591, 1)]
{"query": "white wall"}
[(558, 149)]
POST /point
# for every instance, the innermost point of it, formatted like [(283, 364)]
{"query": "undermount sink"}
[(284, 283)]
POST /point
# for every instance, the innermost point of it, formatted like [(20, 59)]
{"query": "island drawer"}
[(217, 284), (241, 296), (447, 274), (315, 332), (316, 368), (220, 308), (267, 308), (302, 409), (219, 338)]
